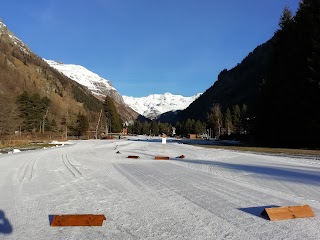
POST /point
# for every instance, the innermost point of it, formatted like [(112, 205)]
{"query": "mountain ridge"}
[(97, 85), (153, 105)]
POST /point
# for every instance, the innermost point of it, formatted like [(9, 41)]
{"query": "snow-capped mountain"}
[(154, 105), (96, 84)]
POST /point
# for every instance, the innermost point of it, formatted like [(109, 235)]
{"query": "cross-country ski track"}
[(210, 194)]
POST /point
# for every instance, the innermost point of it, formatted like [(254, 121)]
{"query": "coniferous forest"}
[(288, 111)]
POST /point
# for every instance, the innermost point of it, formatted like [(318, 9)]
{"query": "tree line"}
[(149, 128), (234, 121)]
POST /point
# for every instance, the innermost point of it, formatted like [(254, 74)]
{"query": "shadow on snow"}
[(280, 173), (5, 226)]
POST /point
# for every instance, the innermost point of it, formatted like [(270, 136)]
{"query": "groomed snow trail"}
[(211, 194)]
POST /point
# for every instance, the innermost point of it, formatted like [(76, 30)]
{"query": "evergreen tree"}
[(82, 124), (154, 128), (33, 110), (199, 127), (146, 128), (286, 18), (137, 127), (189, 126), (112, 116), (291, 92), (165, 128), (178, 128)]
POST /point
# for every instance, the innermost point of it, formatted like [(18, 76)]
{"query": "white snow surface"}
[(154, 105), (210, 194), (83, 76)]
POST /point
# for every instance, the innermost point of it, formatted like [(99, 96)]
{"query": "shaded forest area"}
[(289, 102), (279, 82)]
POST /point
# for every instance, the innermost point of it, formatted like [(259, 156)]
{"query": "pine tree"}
[(199, 127), (82, 124), (291, 92), (189, 126), (33, 110), (154, 128), (146, 128), (286, 18), (112, 116)]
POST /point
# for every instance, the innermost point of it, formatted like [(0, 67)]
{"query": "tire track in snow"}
[(26, 172), (162, 185), (76, 173), (251, 179), (211, 198)]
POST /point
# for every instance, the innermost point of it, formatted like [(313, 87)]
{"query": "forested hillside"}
[(289, 103), (278, 83), (36, 98), (239, 85)]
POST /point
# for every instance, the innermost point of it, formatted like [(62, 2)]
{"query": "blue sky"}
[(146, 46)]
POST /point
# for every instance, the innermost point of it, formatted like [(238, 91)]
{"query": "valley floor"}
[(210, 194)]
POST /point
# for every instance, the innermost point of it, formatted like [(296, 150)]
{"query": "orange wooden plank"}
[(131, 156), (77, 220), (161, 158), (289, 212)]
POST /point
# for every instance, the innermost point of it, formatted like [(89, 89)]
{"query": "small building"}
[(192, 136)]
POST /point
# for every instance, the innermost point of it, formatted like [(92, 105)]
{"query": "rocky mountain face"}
[(154, 105)]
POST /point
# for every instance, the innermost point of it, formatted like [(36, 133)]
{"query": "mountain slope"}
[(23, 71), (154, 105), (96, 84), (99, 86), (239, 85)]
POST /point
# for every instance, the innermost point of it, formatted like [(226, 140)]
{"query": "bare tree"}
[(215, 118), (9, 119)]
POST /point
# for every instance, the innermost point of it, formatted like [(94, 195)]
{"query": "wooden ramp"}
[(77, 220), (289, 212), (161, 158), (135, 157)]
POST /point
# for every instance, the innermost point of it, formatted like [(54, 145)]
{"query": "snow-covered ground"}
[(211, 194)]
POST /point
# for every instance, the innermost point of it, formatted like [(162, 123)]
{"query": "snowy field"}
[(211, 194)]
